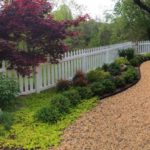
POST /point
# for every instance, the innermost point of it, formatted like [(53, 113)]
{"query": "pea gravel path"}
[(120, 122)]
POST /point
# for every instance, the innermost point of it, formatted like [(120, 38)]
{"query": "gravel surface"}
[(120, 122)]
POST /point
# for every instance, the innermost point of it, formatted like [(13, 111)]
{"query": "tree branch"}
[(142, 5)]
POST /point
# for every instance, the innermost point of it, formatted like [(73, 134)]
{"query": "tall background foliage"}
[(127, 23)]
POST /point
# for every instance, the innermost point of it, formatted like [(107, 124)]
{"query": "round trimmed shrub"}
[(141, 58), (48, 114), (109, 86), (147, 56), (73, 96), (97, 75), (119, 82), (130, 75), (63, 85), (114, 69), (121, 60), (135, 62), (105, 67), (61, 102), (9, 89), (80, 79), (98, 88), (85, 92)]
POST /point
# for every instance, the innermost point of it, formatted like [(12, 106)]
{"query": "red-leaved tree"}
[(29, 34)]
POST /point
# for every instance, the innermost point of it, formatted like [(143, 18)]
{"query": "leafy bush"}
[(127, 53), (9, 89), (109, 86), (105, 67), (119, 82), (101, 88), (141, 58), (85, 92), (80, 79), (135, 62), (147, 56), (97, 75), (61, 102), (6, 119), (114, 69), (63, 85), (48, 114), (130, 75), (98, 88), (73, 96), (122, 60)]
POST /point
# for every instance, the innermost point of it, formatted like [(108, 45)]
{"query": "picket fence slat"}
[(46, 75)]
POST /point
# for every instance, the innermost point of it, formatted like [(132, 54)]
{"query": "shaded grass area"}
[(28, 133)]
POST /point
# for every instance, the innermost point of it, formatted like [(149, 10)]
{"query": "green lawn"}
[(28, 133)]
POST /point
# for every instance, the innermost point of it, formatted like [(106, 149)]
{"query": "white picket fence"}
[(47, 74)]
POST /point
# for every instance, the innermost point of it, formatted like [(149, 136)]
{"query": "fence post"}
[(107, 57), (4, 66), (135, 46), (84, 63), (37, 79)]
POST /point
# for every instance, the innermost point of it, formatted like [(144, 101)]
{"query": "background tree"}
[(136, 22), (145, 5), (63, 13)]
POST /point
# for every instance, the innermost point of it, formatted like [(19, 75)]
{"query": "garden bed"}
[(39, 119)]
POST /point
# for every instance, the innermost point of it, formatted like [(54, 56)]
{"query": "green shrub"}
[(119, 82), (109, 86), (98, 88), (6, 119), (80, 79), (105, 67), (114, 69), (130, 75), (101, 88), (73, 96), (63, 85), (9, 89), (147, 56), (61, 102), (122, 60), (127, 53), (85, 92), (97, 75), (141, 58), (48, 114), (135, 62)]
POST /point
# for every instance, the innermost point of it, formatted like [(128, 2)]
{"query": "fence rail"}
[(47, 74)]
